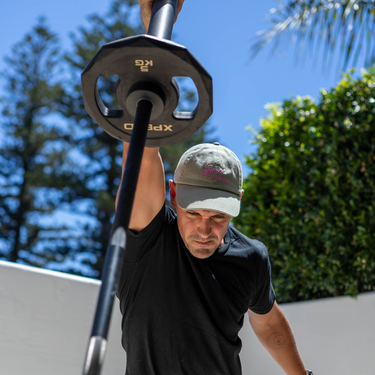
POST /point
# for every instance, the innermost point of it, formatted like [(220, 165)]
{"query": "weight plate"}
[(147, 59)]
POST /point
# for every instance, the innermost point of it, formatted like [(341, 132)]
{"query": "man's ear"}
[(172, 193), (242, 194)]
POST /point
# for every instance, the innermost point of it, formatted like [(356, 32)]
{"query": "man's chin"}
[(201, 252)]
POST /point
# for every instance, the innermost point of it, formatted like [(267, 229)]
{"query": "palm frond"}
[(343, 29)]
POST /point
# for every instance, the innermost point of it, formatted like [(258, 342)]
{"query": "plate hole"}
[(188, 97), (106, 88)]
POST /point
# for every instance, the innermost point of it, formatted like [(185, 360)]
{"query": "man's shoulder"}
[(165, 220), (153, 235), (165, 216), (250, 245)]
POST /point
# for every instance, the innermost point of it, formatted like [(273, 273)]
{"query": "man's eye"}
[(220, 217)]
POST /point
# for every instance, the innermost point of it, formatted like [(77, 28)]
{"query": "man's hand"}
[(146, 11)]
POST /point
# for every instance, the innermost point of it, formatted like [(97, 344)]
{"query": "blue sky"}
[(219, 33)]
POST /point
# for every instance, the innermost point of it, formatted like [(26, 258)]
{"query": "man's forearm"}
[(277, 337)]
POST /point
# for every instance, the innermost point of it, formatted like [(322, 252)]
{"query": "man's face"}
[(202, 231)]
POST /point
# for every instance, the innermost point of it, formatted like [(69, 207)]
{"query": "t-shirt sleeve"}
[(263, 296), (139, 243)]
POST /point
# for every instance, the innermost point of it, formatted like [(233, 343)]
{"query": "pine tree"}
[(34, 174)]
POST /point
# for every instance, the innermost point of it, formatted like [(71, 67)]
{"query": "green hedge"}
[(310, 197)]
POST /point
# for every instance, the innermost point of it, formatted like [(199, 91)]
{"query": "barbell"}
[(147, 94)]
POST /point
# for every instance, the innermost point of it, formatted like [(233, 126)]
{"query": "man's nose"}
[(204, 228)]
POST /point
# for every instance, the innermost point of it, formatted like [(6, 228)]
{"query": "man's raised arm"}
[(150, 192)]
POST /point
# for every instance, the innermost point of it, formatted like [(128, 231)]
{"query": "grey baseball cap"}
[(209, 177)]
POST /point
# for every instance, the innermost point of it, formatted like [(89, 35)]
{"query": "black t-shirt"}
[(181, 314)]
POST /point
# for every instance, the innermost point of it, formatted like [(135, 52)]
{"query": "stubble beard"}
[(202, 251)]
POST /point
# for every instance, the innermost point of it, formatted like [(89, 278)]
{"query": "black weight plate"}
[(145, 58)]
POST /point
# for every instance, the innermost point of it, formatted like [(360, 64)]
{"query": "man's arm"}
[(146, 11), (150, 192), (274, 332)]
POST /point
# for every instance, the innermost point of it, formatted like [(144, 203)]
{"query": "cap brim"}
[(202, 198)]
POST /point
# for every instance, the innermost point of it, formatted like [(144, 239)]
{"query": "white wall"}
[(45, 323), (46, 319), (335, 336)]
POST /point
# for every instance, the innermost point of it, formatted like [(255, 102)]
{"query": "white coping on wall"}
[(46, 319)]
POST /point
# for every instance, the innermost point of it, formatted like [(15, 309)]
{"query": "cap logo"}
[(213, 174)]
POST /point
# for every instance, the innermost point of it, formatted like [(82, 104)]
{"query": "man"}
[(189, 279)]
